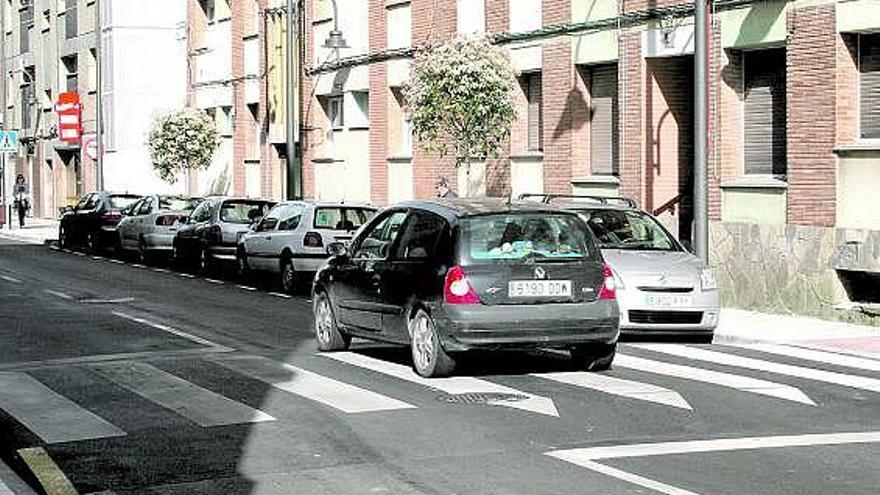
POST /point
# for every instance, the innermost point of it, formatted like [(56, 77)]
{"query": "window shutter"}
[(536, 125), (765, 119), (869, 67), (603, 120)]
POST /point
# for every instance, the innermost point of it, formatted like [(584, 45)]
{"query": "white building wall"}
[(141, 39)]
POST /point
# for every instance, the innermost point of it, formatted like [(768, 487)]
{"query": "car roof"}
[(325, 204), (469, 207)]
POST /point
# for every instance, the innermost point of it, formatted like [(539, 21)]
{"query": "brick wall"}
[(557, 107), (642, 5), (729, 123), (631, 76), (847, 88), (718, 111), (242, 130), (310, 107), (579, 101), (812, 91), (379, 96), (498, 169)]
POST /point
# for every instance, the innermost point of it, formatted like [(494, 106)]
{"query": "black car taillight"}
[(313, 240), (111, 217), (457, 288)]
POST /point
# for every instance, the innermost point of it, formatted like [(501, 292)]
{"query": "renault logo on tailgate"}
[(540, 273)]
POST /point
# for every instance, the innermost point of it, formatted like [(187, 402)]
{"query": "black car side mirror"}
[(337, 249)]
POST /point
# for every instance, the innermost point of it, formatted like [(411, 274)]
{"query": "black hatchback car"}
[(450, 276), (93, 221)]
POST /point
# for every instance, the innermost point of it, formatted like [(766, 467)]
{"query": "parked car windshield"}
[(120, 201), (518, 236), (628, 229), (339, 218), (243, 211), (177, 203)]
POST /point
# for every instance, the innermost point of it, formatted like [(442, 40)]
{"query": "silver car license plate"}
[(668, 301), (539, 288)]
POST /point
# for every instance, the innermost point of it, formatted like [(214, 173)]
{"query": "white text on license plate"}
[(668, 301), (539, 288)]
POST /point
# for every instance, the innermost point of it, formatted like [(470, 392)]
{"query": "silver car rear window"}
[(629, 230), (518, 236)]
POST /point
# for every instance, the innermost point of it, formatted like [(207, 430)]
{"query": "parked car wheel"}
[(244, 269), (204, 264), (288, 276), (595, 357), (327, 332), (63, 238), (92, 243), (430, 360), (143, 255)]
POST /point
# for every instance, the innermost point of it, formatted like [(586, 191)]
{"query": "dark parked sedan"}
[(209, 238), (450, 276), (93, 221)]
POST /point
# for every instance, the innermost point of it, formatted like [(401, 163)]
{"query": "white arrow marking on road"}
[(48, 414), (200, 405), (738, 382), (618, 386), (338, 395), (452, 386), (814, 355), (841, 379), (586, 457), (9, 279)]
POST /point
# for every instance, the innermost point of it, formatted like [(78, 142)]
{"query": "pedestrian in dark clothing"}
[(443, 189), (20, 194)]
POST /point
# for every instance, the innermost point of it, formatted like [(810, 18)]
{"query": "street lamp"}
[(335, 41)]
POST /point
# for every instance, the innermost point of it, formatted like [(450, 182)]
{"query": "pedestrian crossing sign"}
[(8, 141)]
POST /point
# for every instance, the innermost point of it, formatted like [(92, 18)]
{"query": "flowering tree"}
[(461, 93), (182, 140)]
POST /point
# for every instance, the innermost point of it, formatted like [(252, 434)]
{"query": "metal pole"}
[(701, 131), (99, 99), (294, 164)]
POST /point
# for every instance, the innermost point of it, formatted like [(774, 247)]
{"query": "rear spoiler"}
[(605, 200)]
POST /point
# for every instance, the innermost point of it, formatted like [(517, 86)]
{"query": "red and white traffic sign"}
[(90, 145), (69, 112)]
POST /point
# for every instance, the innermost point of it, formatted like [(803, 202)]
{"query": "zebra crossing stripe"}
[(844, 380), (336, 394), (737, 382), (814, 355), (48, 414), (452, 386), (9, 279), (618, 386), (202, 406)]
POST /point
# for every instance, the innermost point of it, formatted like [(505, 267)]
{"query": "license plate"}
[(668, 301), (539, 288)]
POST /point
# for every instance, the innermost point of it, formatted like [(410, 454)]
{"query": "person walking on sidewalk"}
[(20, 194), (443, 189)]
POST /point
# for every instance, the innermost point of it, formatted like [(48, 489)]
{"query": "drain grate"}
[(479, 398)]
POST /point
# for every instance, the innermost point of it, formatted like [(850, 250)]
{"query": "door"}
[(84, 217), (258, 246), (287, 235), (359, 281), (127, 226), (418, 264), (187, 237)]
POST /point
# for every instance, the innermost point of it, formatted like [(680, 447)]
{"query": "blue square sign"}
[(8, 141)]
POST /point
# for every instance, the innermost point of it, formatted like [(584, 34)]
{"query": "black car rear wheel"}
[(327, 332), (593, 357), (430, 360), (92, 243)]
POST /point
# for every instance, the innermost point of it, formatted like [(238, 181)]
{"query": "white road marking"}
[(214, 281), (454, 385), (737, 382), (118, 300), (54, 248), (245, 287), (97, 258), (48, 414), (814, 355), (118, 262), (166, 328), (187, 275), (278, 294), (137, 265), (78, 253), (841, 379), (202, 406), (9, 279), (160, 270), (618, 386), (338, 395), (62, 295), (587, 457)]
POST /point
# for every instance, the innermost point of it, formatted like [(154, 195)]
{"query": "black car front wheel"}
[(327, 332), (593, 357), (430, 360)]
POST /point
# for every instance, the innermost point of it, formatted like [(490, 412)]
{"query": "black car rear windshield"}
[(120, 201), (243, 211), (519, 236), (630, 230)]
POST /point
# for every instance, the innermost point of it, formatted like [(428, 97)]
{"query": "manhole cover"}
[(480, 398)]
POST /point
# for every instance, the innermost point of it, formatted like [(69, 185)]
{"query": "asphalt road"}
[(125, 379)]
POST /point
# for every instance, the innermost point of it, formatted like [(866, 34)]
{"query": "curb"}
[(9, 480)]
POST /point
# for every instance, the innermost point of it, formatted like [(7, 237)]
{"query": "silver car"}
[(149, 225), (290, 242), (662, 289)]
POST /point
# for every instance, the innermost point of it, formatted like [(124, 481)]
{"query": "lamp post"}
[(294, 162), (99, 100), (701, 130), (335, 41)]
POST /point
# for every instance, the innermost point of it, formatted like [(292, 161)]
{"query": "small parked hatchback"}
[(450, 276)]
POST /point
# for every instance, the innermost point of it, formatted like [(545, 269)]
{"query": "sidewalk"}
[(35, 231)]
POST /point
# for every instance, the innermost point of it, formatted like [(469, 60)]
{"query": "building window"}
[(765, 119), (604, 135), (400, 17), (869, 85), (531, 85), (26, 23), (359, 116), (70, 19), (28, 97), (71, 79), (92, 68), (525, 15), (333, 109), (400, 126), (471, 16)]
